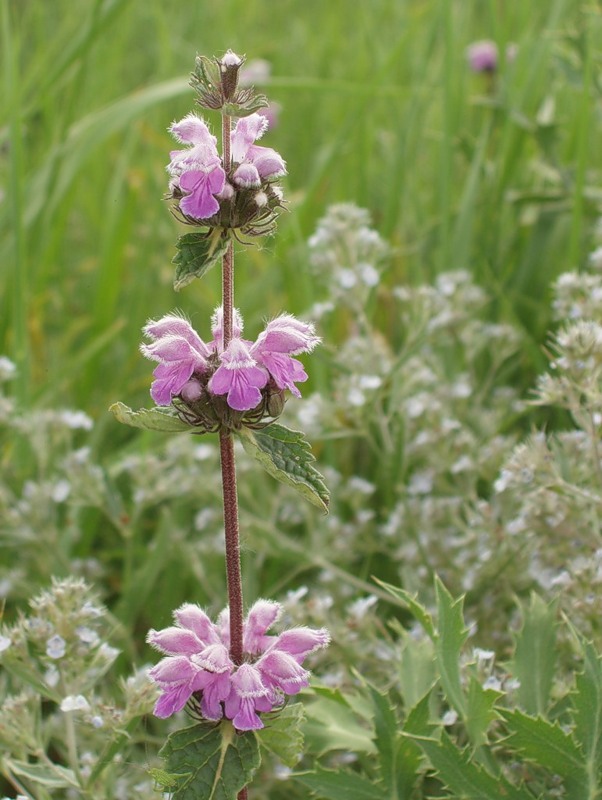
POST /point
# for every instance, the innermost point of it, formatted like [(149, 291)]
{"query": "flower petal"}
[(268, 163), (192, 130), (172, 700), (282, 670), (246, 131), (193, 617), (173, 669), (261, 616), (300, 642), (175, 641)]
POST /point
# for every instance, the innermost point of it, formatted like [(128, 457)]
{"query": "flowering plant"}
[(231, 672)]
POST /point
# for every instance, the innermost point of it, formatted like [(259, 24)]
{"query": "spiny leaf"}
[(282, 734), (588, 706), (197, 253), (448, 644), (407, 600), (547, 744), (463, 776), (480, 711), (286, 455), (149, 419), (210, 762)]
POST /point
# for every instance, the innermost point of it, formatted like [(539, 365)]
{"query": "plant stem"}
[(227, 451), (233, 572), (228, 462)]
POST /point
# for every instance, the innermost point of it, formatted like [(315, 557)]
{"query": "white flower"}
[(56, 646), (75, 703)]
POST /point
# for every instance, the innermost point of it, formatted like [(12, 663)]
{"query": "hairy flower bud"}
[(230, 64)]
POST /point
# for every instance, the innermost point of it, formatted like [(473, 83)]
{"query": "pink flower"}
[(188, 366), (180, 352), (197, 663), (196, 171), (283, 337), (482, 56), (239, 377), (255, 163)]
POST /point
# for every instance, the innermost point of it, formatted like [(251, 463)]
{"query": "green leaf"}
[(407, 600), (463, 776), (52, 776), (548, 745), (149, 419), (448, 645), (418, 720), (386, 738), (208, 70), (334, 725), (282, 734), (286, 455), (480, 711), (399, 757), (331, 785), (210, 762), (417, 668), (587, 702), (245, 108), (197, 253), (535, 656)]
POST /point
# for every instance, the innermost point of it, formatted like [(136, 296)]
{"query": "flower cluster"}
[(198, 664), (236, 195), (249, 375)]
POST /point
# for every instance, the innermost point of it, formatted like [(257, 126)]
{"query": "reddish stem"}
[(233, 572), (230, 496)]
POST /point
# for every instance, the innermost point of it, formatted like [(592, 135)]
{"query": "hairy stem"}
[(228, 462), (233, 573)]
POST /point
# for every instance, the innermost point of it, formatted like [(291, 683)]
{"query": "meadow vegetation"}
[(445, 237)]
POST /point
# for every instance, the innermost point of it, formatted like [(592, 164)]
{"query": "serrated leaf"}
[(587, 702), (399, 758), (448, 644), (418, 720), (409, 601), (282, 734), (463, 776), (149, 419), (548, 745), (329, 785), (535, 656), (386, 738), (197, 253), (51, 776), (480, 711), (286, 455), (212, 762)]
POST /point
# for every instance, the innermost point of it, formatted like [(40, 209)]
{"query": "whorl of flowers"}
[(197, 667), (248, 376), (240, 194)]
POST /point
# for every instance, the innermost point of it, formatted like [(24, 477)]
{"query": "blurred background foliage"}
[(491, 173)]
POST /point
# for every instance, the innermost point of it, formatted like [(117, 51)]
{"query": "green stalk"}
[(21, 353)]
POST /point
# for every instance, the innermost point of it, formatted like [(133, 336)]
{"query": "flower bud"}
[(191, 391), (230, 64)]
